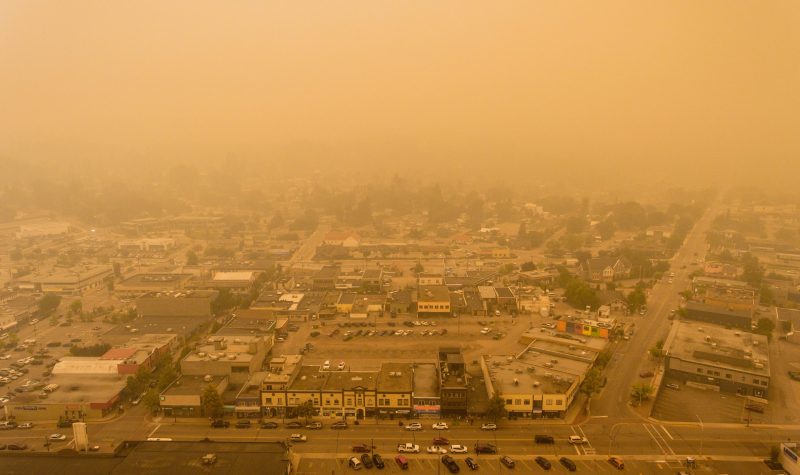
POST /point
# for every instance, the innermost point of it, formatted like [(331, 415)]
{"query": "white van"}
[(326, 365), (354, 463)]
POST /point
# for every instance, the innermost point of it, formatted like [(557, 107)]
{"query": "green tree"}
[(49, 303), (636, 299), (580, 295), (751, 270), (591, 383), (191, 258), (306, 410), (641, 392), (134, 386), (766, 297), (211, 402), (166, 375), (497, 408), (76, 307), (528, 266), (151, 400), (765, 326)]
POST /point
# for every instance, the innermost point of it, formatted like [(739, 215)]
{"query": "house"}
[(342, 238), (605, 269)]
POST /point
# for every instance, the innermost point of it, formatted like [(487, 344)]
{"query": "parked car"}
[(544, 439), (269, 425), (57, 436), (568, 464), (489, 426), (646, 374), (17, 446), (543, 462), (354, 463), (366, 460), (25, 425), (414, 426), (339, 425), (471, 463), (294, 425), (243, 424), (673, 386), (435, 449), (450, 463), (440, 426), (219, 423), (378, 461), (314, 425), (458, 449), (616, 462), (441, 441), (401, 462), (507, 461), (298, 438)]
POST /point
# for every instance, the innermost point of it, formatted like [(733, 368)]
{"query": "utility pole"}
[(702, 434)]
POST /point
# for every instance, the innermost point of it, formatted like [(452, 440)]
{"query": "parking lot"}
[(686, 403), (425, 464)]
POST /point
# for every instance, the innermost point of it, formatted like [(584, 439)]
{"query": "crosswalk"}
[(659, 434)]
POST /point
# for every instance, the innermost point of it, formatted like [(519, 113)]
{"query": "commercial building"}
[(395, 389), (88, 396), (719, 358), (453, 381), (184, 397), (236, 357), (433, 301), (725, 317), (73, 282), (195, 304), (543, 379), (140, 284), (426, 399)]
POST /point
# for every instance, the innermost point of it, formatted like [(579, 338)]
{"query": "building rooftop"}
[(86, 365), (426, 380), (188, 385), (77, 389), (719, 346), (234, 276), (534, 373), (239, 348), (167, 280), (309, 378), (396, 377), (351, 379), (433, 293)]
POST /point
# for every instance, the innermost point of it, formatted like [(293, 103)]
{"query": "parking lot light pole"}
[(702, 434)]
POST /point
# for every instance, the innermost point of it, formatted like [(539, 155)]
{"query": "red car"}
[(441, 441), (361, 448)]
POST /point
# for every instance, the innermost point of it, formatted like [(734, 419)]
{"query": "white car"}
[(298, 438), (5, 357), (326, 365), (435, 449), (489, 426), (458, 449), (577, 440), (340, 366), (25, 425), (34, 321), (414, 426), (485, 331), (439, 426), (4, 400), (57, 437)]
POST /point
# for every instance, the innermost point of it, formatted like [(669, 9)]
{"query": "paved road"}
[(632, 356)]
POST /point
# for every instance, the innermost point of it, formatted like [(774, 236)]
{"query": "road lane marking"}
[(154, 430), (667, 432)]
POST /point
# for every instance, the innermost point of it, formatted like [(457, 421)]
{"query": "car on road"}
[(378, 461), (269, 425), (340, 367), (8, 425), (507, 461), (485, 331), (298, 438), (673, 386), (243, 424), (57, 436), (439, 426), (219, 423), (361, 448), (441, 441), (544, 439), (543, 462), (366, 460), (577, 440), (25, 425), (339, 425), (294, 425), (65, 423), (489, 426), (568, 464), (435, 449), (617, 463), (314, 426), (471, 463), (414, 426), (646, 374), (458, 449), (17, 446), (485, 449)]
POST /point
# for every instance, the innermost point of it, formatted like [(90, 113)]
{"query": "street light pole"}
[(702, 434)]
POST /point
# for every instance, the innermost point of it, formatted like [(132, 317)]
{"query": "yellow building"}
[(433, 300)]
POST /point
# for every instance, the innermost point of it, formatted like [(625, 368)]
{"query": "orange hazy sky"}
[(711, 84)]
